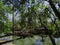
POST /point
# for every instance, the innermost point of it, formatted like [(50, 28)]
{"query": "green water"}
[(31, 41)]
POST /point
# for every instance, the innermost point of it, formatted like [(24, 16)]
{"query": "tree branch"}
[(54, 9)]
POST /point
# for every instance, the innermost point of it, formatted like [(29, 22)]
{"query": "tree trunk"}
[(52, 40), (54, 9), (49, 34)]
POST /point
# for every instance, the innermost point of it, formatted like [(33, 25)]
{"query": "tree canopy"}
[(30, 15)]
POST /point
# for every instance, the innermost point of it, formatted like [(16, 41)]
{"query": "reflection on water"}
[(57, 40), (7, 38), (36, 41), (32, 41)]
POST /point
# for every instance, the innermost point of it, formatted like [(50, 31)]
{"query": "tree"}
[(31, 15)]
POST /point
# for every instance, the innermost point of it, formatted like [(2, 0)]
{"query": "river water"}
[(31, 41)]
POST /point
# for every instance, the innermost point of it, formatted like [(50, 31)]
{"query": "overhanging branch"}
[(54, 9)]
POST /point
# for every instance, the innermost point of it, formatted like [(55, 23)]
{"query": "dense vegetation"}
[(29, 16)]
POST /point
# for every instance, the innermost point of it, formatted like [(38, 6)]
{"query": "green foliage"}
[(9, 8), (29, 16), (1, 5), (7, 27)]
